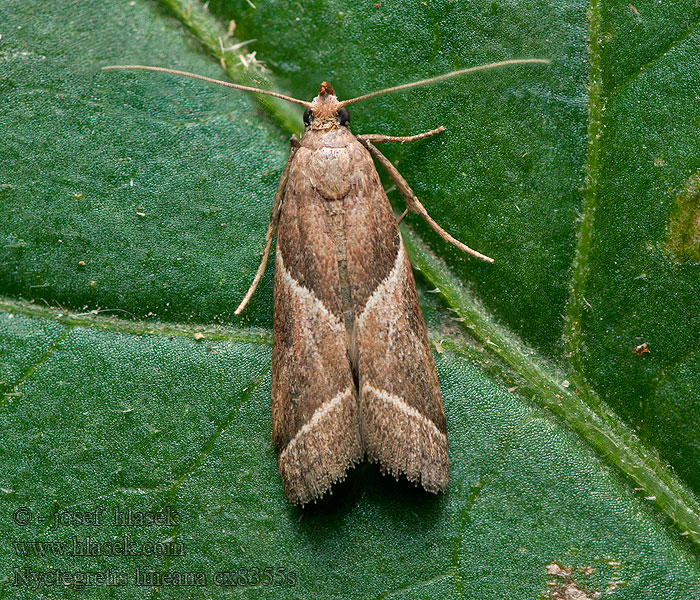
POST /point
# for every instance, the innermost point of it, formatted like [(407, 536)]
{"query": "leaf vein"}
[(692, 26)]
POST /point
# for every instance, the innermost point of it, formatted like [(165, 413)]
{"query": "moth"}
[(352, 370)]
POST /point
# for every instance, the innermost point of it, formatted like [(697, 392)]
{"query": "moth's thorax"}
[(325, 108), (331, 160), (332, 137)]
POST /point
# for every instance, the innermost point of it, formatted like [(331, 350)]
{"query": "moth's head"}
[(326, 112)]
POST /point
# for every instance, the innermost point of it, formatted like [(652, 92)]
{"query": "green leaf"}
[(134, 213)]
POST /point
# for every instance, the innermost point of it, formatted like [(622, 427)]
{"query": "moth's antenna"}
[(236, 86), (445, 76)]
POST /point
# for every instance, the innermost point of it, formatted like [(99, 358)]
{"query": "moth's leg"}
[(413, 204), (375, 138), (272, 227)]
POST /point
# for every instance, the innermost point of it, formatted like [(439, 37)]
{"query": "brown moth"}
[(352, 369)]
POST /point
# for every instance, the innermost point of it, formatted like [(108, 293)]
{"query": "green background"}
[(134, 208)]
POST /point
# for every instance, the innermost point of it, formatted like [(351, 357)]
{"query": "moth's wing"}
[(315, 426), (402, 420)]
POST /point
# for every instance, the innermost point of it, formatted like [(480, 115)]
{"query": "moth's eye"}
[(343, 116), (308, 117)]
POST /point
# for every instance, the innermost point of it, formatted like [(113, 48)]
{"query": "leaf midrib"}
[(573, 332)]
